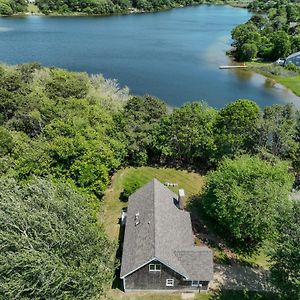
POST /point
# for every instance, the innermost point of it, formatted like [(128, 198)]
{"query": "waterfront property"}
[(293, 59), (158, 250)]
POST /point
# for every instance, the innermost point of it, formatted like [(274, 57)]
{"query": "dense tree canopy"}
[(109, 6), (51, 245), (245, 197), (270, 35), (186, 135), (57, 122), (9, 7), (140, 118), (236, 128), (285, 269)]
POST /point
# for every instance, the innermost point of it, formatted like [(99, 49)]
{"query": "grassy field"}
[(112, 205), (290, 82)]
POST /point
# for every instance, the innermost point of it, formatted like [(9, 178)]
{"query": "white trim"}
[(196, 285), (124, 284), (170, 280), (149, 261)]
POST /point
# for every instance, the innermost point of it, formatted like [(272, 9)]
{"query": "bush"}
[(129, 189)]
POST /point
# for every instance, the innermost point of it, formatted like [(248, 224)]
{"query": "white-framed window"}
[(155, 267), (196, 283), (169, 282)]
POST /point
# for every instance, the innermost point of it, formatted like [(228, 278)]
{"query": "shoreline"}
[(130, 11), (291, 82)]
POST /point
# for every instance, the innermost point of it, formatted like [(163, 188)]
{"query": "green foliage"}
[(9, 7), (5, 8), (102, 7), (187, 134), (245, 197), (51, 246), (271, 35), (282, 45), (285, 269), (248, 51), (129, 189), (67, 84), (278, 130), (71, 133), (236, 128), (140, 118)]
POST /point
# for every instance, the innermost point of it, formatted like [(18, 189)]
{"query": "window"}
[(155, 267), (170, 282), (196, 283)]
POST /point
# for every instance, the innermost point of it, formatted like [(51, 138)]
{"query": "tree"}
[(248, 51), (67, 84), (282, 44), (278, 130), (187, 134), (141, 116), (51, 245), (5, 8), (244, 197), (236, 128), (285, 257)]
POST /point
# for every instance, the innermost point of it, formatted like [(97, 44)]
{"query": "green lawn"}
[(111, 207), (290, 82)]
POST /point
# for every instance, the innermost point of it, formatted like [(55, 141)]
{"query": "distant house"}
[(158, 250), (293, 59)]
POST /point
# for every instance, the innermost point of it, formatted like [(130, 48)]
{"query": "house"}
[(158, 249), (293, 59)]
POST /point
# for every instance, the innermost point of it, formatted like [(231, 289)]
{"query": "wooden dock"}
[(233, 67)]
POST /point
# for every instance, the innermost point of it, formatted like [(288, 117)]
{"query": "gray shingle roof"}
[(164, 232), (293, 55)]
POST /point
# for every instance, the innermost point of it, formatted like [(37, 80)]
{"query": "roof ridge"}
[(154, 213)]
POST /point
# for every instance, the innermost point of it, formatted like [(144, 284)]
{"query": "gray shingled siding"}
[(143, 279)]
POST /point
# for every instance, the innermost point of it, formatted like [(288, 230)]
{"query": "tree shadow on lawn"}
[(117, 282), (206, 230)]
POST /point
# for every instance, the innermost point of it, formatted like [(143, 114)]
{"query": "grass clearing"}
[(111, 206), (32, 8)]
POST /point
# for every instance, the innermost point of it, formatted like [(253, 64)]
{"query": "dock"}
[(233, 67)]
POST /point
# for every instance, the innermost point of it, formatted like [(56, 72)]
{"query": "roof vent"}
[(137, 219)]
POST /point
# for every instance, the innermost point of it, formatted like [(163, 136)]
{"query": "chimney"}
[(181, 198)]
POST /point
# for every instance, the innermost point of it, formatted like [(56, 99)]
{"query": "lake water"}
[(173, 55)]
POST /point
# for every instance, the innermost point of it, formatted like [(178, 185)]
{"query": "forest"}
[(273, 32), (64, 134)]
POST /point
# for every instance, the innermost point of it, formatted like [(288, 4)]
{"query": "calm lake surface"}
[(173, 54)]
